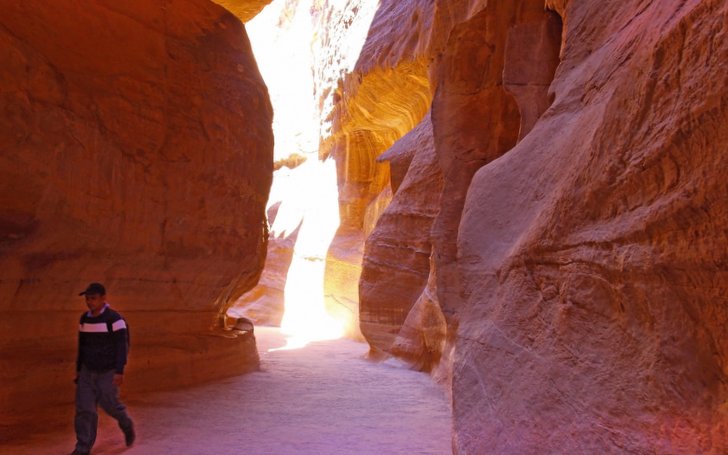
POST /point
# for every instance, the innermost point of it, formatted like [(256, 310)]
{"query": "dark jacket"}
[(102, 342)]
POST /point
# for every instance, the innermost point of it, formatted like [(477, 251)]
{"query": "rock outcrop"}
[(579, 248), (367, 104), (375, 101), (592, 255), (137, 151), (397, 256), (245, 10)]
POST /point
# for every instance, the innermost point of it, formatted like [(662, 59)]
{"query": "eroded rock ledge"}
[(137, 151)]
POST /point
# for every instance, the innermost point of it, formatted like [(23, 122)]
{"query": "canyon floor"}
[(325, 398)]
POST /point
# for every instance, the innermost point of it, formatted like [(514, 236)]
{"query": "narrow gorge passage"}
[(323, 399)]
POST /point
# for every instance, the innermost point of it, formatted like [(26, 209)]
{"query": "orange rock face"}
[(373, 87), (369, 104), (137, 151), (243, 9)]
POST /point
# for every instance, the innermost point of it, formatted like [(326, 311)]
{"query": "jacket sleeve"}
[(78, 347), (120, 345)]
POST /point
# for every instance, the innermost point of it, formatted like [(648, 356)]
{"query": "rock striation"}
[(137, 151), (368, 104), (397, 253)]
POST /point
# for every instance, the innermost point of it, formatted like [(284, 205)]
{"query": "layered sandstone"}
[(373, 88), (368, 104), (475, 115), (396, 263), (362, 106), (486, 94), (592, 255), (578, 250), (492, 72), (137, 151)]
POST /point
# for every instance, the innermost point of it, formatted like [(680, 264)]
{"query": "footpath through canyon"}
[(325, 398)]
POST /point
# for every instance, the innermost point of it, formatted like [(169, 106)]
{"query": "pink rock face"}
[(591, 257), (476, 119), (396, 262), (421, 341), (579, 247), (137, 151)]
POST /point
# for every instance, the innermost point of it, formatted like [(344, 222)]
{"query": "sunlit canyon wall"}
[(281, 37), (358, 113), (575, 219), (137, 151), (306, 50)]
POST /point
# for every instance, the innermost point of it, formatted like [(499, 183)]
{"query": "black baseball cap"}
[(94, 288)]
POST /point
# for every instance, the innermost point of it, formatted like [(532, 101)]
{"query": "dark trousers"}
[(94, 389)]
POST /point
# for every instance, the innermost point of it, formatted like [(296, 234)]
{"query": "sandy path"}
[(322, 399)]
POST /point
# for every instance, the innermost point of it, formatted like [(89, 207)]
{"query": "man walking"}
[(102, 352)]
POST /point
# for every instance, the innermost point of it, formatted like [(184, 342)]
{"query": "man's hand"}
[(118, 379)]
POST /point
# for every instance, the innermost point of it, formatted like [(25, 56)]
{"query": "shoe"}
[(129, 436)]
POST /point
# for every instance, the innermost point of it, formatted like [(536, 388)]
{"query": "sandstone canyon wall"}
[(579, 241), (245, 10), (137, 151), (397, 254), (283, 37), (366, 105), (360, 112), (592, 257), (280, 37)]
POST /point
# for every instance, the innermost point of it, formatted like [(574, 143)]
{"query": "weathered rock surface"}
[(475, 118), (341, 279), (486, 92), (421, 339), (591, 257), (362, 106), (244, 9), (137, 151), (582, 270), (397, 256), (368, 105)]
